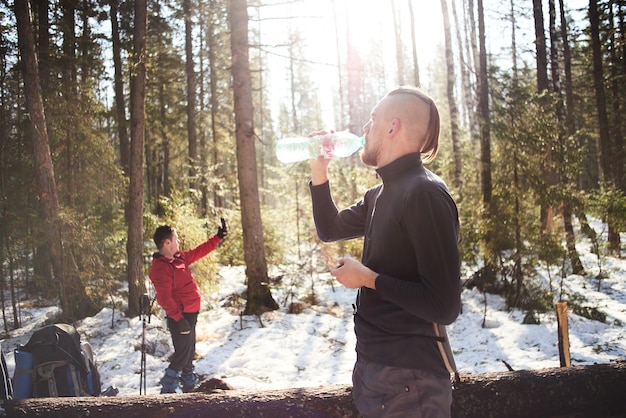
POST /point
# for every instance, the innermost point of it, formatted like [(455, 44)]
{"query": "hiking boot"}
[(169, 381), (188, 380)]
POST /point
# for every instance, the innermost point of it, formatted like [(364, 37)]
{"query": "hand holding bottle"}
[(319, 165)]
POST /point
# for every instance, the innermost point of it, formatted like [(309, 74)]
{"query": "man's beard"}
[(370, 157)]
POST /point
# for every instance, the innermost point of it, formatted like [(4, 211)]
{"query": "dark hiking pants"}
[(184, 344)]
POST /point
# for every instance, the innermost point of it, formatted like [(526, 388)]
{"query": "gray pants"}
[(381, 391)]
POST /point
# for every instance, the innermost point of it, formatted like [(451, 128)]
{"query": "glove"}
[(222, 231), (183, 326)]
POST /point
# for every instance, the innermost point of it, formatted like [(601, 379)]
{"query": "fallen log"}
[(581, 391)]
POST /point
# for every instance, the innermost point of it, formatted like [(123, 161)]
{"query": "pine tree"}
[(74, 300), (259, 295), (136, 278)]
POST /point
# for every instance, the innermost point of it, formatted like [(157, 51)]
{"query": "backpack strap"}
[(78, 388), (445, 349), (45, 372)]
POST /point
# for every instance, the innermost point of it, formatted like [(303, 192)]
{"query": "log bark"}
[(580, 391)]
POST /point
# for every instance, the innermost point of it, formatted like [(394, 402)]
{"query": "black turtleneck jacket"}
[(411, 227)]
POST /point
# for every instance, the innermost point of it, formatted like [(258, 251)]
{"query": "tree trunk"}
[(543, 85), (465, 64), (203, 151), (541, 56), (136, 281), (3, 286), (473, 56), (295, 122), (74, 300), (517, 274), (581, 391), (69, 93), (399, 47), (454, 111), (259, 296), (164, 182), (192, 135), (416, 67), (4, 235), (616, 76), (43, 45), (218, 198), (484, 120), (118, 84), (600, 95), (41, 263), (567, 117), (473, 36), (603, 119), (483, 111), (341, 119), (354, 87)]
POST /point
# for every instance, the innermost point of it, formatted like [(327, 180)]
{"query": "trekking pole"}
[(144, 309)]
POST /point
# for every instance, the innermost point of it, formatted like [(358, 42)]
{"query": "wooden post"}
[(561, 319)]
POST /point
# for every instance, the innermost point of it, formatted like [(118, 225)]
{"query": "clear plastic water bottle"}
[(336, 144)]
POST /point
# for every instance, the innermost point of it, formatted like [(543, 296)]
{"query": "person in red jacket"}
[(178, 295)]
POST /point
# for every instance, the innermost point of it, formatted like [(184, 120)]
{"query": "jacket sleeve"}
[(332, 224), (195, 254), (162, 277), (432, 223)]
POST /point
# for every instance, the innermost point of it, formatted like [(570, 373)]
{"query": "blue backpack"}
[(55, 363)]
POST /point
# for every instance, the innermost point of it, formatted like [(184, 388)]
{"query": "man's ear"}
[(395, 126)]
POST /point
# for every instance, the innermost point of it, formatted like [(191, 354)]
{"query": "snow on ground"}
[(316, 346)]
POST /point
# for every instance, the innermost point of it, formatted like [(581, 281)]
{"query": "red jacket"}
[(176, 289)]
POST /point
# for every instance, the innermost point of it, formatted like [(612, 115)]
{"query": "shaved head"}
[(404, 121), (418, 114)]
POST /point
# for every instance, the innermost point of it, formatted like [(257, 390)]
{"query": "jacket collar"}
[(159, 256), (399, 166)]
